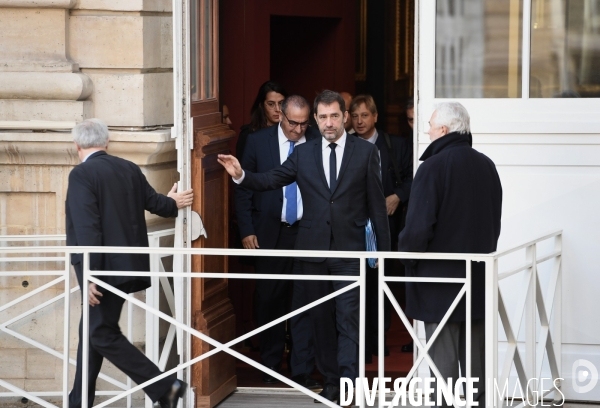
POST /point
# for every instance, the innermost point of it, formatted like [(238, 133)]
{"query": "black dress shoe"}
[(268, 378), (171, 398), (307, 381), (407, 348), (330, 392)]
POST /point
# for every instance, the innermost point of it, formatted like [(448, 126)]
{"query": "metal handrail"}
[(493, 301)]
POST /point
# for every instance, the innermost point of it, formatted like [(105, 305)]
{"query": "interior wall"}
[(246, 47)]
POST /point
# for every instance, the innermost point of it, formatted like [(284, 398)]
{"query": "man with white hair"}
[(105, 205), (455, 206)]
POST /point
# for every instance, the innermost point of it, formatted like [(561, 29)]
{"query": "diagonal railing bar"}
[(424, 349), (164, 356), (539, 302), (37, 308), (31, 294), (218, 346), (545, 314), (26, 394), (512, 353)]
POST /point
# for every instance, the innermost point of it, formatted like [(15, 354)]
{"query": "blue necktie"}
[(291, 195)]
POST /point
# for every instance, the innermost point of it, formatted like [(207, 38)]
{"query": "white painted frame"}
[(496, 115)]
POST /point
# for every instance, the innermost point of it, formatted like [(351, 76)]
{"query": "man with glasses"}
[(269, 220)]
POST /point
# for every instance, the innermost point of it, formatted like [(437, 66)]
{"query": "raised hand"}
[(232, 165)]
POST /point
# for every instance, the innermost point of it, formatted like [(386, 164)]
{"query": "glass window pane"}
[(565, 49), (193, 50), (208, 48), (478, 49)]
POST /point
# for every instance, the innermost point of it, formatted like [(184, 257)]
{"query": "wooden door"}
[(212, 312)]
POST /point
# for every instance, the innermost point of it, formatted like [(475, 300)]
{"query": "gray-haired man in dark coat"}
[(455, 206)]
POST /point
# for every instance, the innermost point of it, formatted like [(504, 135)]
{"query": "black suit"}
[(106, 199), (333, 221), (260, 214)]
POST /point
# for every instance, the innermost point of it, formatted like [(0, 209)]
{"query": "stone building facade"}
[(62, 61)]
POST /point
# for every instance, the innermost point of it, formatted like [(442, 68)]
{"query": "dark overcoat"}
[(106, 199), (455, 206)]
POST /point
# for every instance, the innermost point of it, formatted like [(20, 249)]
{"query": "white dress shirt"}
[(373, 138), (339, 155), (284, 148)]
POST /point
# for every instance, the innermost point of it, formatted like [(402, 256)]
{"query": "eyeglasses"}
[(271, 105), (293, 124)]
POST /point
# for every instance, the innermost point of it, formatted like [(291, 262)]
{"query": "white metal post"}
[(360, 400), (557, 315), (85, 330), (491, 330), (380, 330), (66, 330), (531, 323), (130, 338), (152, 321), (468, 345)]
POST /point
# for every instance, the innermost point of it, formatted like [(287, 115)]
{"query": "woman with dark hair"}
[(265, 112)]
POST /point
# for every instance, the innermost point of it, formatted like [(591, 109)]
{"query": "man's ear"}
[(77, 146), (345, 116), (107, 142)]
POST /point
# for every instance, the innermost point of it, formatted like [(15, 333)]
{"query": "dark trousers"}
[(371, 308), (448, 352), (335, 323), (107, 341), (273, 299)]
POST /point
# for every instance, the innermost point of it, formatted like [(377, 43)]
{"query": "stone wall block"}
[(40, 365), (61, 4), (121, 5), (107, 41), (123, 41), (12, 363), (30, 34), (133, 99), (45, 85), (27, 109)]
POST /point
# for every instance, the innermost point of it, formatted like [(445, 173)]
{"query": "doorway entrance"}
[(359, 47)]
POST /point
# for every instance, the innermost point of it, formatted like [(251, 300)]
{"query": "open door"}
[(202, 136)]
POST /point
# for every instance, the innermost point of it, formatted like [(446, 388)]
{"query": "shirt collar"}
[(283, 140), (88, 156), (373, 137), (341, 142)]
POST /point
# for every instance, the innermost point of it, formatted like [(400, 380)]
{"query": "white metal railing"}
[(152, 298), (547, 306)]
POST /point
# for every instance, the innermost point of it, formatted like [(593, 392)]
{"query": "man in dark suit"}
[(339, 178), (106, 199), (455, 206), (269, 220), (396, 173)]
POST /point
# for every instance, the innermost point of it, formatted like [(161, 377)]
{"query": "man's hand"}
[(182, 199), (94, 295), (232, 165), (250, 242), (391, 202)]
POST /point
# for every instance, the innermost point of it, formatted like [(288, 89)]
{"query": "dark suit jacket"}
[(403, 154), (106, 199), (260, 213), (343, 214)]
